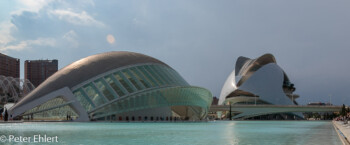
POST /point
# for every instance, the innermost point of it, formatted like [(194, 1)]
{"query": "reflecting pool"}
[(211, 133)]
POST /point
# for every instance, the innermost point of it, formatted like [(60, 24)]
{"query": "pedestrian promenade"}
[(343, 131), (13, 121)]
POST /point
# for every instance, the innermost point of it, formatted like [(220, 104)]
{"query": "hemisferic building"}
[(115, 86)]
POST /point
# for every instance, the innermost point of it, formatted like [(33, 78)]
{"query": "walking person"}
[(6, 115)]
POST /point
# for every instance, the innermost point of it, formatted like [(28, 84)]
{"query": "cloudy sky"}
[(201, 39)]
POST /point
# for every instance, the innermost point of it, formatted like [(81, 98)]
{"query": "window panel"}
[(140, 77), (172, 76), (109, 87), (155, 75), (115, 87), (125, 84), (148, 76), (132, 79), (83, 101), (157, 69), (93, 95), (132, 102), (178, 77), (104, 90), (162, 71)]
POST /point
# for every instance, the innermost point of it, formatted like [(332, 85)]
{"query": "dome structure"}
[(118, 86), (258, 81)]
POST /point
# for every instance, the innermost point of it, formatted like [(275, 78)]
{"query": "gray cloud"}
[(203, 39)]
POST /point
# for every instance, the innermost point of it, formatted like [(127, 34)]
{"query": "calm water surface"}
[(210, 133)]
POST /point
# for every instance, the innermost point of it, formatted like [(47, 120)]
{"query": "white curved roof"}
[(246, 66), (244, 69), (85, 69)]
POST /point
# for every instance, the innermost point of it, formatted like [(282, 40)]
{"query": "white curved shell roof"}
[(246, 72)]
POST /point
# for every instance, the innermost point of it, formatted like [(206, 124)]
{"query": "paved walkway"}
[(11, 121), (343, 131)]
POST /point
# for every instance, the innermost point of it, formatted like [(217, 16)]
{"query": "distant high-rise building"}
[(9, 66), (215, 101), (37, 71)]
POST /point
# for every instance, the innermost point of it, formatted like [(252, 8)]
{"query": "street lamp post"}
[(292, 99), (230, 111), (255, 99)]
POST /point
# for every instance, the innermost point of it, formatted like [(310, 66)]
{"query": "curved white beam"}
[(229, 87), (63, 92)]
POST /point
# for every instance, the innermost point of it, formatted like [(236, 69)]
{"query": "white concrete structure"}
[(115, 86), (258, 81), (256, 110)]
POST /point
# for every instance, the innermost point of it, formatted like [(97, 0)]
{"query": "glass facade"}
[(94, 94), (124, 82), (84, 101), (54, 109), (174, 96), (139, 87)]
